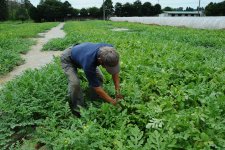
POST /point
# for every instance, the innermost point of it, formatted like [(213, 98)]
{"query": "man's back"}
[(85, 54)]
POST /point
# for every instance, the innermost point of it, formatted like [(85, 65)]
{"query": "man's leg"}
[(74, 89)]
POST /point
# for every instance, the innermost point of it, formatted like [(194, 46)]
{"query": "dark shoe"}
[(76, 113)]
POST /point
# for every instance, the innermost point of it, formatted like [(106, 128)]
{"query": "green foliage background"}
[(173, 83)]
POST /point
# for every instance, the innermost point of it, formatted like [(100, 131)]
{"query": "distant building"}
[(181, 14)]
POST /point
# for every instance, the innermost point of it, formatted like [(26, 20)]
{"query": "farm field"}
[(15, 39), (172, 79)]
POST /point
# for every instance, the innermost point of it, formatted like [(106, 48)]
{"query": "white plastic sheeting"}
[(192, 22)]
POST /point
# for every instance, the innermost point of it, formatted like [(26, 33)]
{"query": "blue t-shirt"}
[(85, 56)]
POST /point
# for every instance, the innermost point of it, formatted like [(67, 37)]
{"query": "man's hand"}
[(119, 96), (104, 95), (114, 102)]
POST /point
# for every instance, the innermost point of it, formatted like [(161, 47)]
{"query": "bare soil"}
[(120, 29)]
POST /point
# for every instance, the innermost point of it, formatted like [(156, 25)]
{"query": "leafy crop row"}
[(14, 41), (194, 37), (174, 94)]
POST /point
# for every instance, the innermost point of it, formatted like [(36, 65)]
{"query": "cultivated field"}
[(173, 81), (14, 41)]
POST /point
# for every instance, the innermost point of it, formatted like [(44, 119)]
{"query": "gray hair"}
[(109, 56)]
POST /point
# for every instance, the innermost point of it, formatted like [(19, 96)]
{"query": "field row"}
[(14, 40)]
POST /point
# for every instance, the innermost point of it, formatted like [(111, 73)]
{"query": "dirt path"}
[(36, 58)]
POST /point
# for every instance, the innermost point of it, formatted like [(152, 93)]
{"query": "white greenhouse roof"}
[(182, 12)]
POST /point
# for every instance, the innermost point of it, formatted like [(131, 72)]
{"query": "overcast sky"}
[(172, 3)]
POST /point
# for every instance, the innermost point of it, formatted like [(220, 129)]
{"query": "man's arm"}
[(116, 81), (93, 81), (100, 91)]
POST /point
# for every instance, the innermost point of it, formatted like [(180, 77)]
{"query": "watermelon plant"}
[(15, 38), (172, 80)]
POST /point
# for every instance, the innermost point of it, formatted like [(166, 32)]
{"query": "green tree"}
[(127, 9), (42, 2), (137, 6), (51, 10), (22, 14), (210, 9), (168, 9), (75, 12), (3, 10), (118, 9), (147, 9), (180, 9), (94, 12), (189, 9), (66, 9), (215, 9), (13, 6), (157, 9), (34, 15), (137, 9), (108, 6), (27, 4), (83, 12)]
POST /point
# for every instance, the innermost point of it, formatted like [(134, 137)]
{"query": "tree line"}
[(215, 9), (137, 9), (182, 9), (14, 10), (55, 10)]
